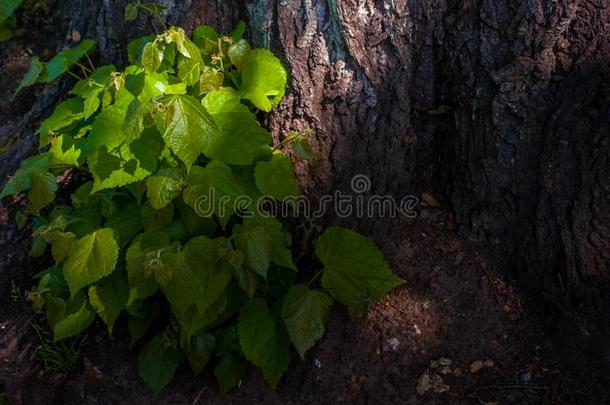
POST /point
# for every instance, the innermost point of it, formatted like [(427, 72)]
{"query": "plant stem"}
[(315, 277)]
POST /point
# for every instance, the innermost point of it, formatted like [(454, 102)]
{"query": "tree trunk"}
[(501, 106)]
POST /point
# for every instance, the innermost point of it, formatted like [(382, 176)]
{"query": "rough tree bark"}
[(501, 106)]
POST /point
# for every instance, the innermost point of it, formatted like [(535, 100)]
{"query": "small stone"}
[(393, 344), (476, 366)]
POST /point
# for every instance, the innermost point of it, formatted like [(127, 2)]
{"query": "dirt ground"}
[(455, 324), (455, 333)]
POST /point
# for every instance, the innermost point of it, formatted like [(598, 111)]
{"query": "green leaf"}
[(141, 257), (20, 181), (135, 48), (141, 322), (276, 177), (131, 12), (43, 187), (263, 79), (156, 219), (213, 190), (61, 245), (263, 340), (109, 297), (65, 59), (110, 159), (187, 127), (152, 56), (156, 363), (210, 80), (184, 45), (189, 70), (206, 38), (147, 149), (71, 318), (240, 135), (200, 351), (262, 241), (65, 115), (305, 313), (302, 149), (199, 276), (36, 68), (355, 272), (195, 225), (239, 53), (93, 257), (7, 7), (164, 186), (229, 372), (125, 222), (64, 151)]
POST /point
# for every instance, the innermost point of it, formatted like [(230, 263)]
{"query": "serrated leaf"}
[(110, 159), (141, 320), (187, 127), (229, 372), (135, 49), (147, 149), (302, 149), (71, 318), (64, 151), (157, 364), (43, 187), (164, 186), (262, 241), (152, 56), (210, 80), (206, 38), (109, 297), (189, 70), (355, 272), (140, 259), (199, 275), (61, 245), (305, 313), (239, 53), (7, 7), (213, 190), (276, 177), (200, 351), (92, 103), (240, 135), (20, 181), (93, 257), (125, 222), (263, 340), (65, 59), (36, 68), (153, 219), (131, 12), (263, 79), (66, 114)]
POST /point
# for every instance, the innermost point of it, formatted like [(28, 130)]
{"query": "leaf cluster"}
[(137, 241)]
